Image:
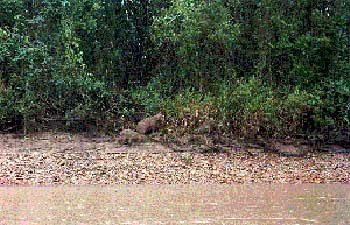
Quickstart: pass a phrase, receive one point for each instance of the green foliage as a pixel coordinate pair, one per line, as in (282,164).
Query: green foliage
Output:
(149,97)
(273,68)
(203,35)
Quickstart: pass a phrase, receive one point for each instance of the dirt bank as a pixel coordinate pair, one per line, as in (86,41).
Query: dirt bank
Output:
(75,160)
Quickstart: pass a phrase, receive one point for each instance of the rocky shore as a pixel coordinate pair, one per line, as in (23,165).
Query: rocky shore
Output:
(170,168)
(66,159)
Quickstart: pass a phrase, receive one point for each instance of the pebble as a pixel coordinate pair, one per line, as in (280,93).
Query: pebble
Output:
(169,168)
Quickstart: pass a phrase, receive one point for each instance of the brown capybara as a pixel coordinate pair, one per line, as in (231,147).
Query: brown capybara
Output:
(151,124)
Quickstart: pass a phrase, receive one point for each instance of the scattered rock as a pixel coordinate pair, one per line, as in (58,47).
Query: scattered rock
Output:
(170,168)
(151,124)
(129,137)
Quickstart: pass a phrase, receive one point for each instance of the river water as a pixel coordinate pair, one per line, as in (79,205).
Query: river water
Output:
(176,204)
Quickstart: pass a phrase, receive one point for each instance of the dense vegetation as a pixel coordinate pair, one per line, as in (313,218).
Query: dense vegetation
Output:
(256,67)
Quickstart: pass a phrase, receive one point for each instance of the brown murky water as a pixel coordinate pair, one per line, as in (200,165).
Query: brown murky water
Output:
(177,204)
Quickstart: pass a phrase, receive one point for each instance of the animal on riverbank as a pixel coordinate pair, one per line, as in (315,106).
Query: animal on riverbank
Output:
(150,124)
(130,137)
(143,128)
